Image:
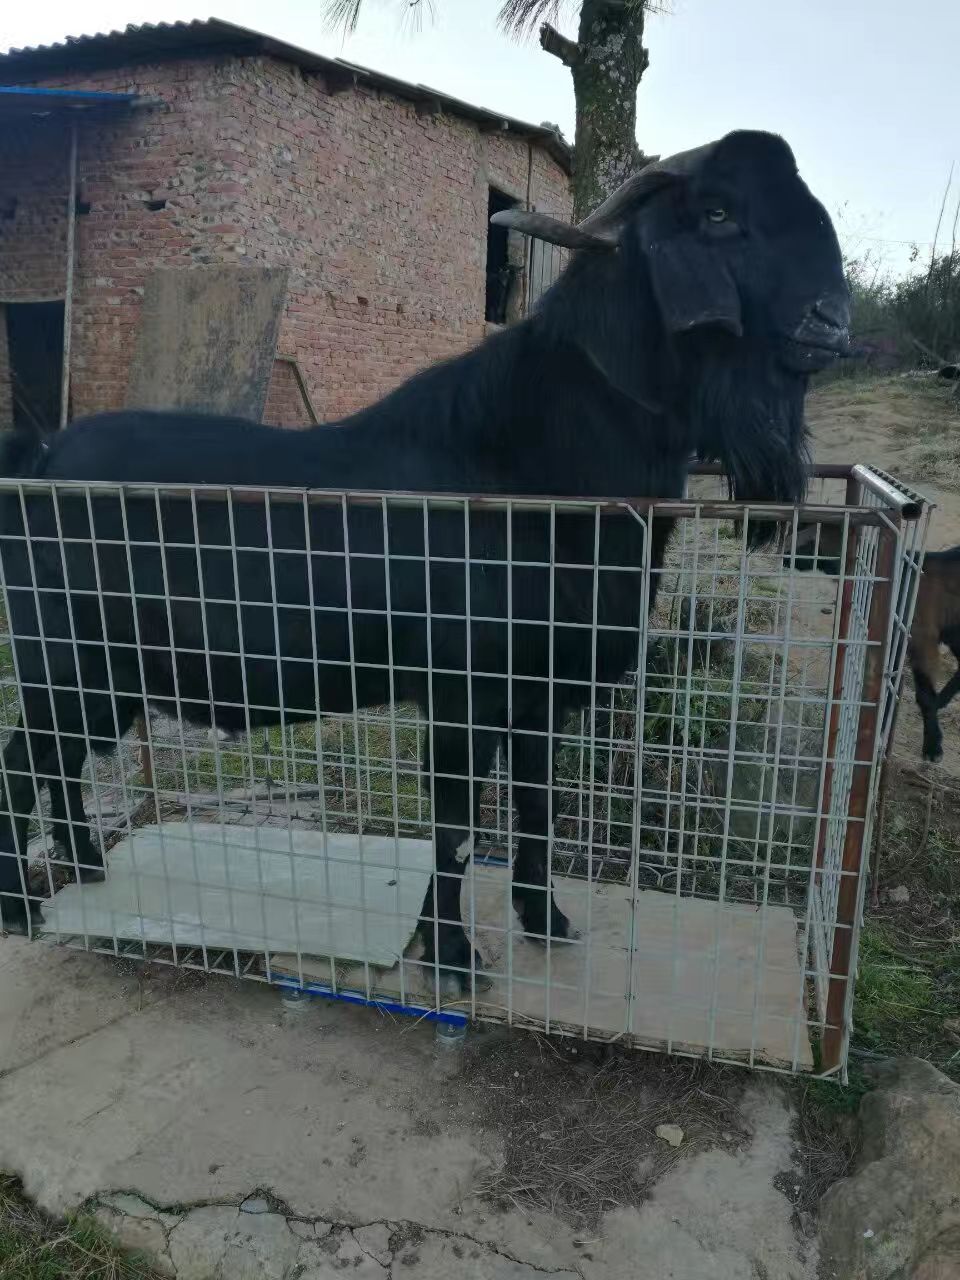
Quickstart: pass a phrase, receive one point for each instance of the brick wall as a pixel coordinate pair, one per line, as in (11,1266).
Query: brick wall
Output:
(33,224)
(33,208)
(380,213)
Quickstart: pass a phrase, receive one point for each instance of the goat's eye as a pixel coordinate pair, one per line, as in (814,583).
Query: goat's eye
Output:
(716,215)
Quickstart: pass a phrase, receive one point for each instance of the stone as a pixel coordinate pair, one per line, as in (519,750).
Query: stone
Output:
(900,894)
(375,1240)
(255,1204)
(898,1215)
(130,1205)
(671,1133)
(304,1230)
(219,1240)
(144,1235)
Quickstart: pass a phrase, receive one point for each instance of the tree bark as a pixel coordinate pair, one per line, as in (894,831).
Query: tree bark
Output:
(607,61)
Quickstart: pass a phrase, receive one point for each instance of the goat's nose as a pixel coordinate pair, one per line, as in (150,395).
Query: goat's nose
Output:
(833,310)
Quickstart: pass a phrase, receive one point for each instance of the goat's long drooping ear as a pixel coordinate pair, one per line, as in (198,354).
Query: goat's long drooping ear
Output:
(693,285)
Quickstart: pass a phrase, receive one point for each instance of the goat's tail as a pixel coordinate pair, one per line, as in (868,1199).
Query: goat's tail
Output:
(22,451)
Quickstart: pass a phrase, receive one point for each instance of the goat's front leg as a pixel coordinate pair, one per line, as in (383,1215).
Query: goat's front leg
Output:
(455,794)
(530,767)
(18,799)
(71,830)
(923,659)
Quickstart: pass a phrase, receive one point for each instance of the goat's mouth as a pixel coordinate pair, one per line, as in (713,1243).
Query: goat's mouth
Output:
(815,344)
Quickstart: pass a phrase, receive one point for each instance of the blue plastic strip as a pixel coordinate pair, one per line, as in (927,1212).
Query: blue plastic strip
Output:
(66,95)
(388,1006)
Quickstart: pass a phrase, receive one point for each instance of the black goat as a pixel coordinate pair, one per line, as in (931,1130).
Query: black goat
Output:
(936,620)
(707,289)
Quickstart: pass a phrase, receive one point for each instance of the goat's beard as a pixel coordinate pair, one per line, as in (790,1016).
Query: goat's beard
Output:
(747,415)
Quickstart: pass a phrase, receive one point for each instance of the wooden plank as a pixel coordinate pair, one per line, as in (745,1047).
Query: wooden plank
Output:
(208,338)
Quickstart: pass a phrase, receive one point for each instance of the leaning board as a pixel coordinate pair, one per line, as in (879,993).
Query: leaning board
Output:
(253,889)
(703,976)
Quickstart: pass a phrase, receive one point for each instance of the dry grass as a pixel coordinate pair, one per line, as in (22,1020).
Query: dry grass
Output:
(577,1120)
(35,1247)
(827,1142)
(908,987)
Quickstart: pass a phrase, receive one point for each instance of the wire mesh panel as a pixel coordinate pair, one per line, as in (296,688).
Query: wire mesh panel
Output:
(601,768)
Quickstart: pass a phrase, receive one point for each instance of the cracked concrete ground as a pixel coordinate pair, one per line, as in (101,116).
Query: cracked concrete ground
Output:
(232,1140)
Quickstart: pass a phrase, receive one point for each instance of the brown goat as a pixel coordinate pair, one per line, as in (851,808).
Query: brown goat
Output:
(936,620)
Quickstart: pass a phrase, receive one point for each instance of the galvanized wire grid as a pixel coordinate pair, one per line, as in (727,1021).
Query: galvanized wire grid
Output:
(733,766)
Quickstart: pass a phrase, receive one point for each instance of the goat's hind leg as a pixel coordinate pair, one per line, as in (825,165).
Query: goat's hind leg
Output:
(533,895)
(952,687)
(446,947)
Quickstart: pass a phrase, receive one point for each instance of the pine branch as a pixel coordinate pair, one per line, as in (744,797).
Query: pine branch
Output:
(342,15)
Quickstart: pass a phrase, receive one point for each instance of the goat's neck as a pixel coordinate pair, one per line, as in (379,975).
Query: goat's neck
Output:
(527,411)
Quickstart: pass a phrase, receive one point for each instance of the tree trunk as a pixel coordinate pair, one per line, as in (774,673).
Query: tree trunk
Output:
(607,61)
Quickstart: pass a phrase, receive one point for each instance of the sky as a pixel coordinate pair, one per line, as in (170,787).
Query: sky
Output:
(867,92)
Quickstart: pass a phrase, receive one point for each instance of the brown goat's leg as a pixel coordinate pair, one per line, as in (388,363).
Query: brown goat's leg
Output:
(924,652)
(949,691)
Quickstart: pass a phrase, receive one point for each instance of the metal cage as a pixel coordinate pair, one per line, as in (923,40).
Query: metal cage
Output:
(710,810)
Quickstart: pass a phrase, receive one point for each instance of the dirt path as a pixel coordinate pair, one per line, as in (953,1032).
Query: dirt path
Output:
(911,428)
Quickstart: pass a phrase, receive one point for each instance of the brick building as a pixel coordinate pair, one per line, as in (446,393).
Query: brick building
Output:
(207,145)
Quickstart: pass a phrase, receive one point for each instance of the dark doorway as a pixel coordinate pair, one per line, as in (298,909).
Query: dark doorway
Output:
(500,271)
(35,350)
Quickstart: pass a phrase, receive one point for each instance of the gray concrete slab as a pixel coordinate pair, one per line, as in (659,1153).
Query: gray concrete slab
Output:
(234,1139)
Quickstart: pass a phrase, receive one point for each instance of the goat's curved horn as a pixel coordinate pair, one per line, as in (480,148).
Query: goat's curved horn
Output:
(544,227)
(659,173)
(599,229)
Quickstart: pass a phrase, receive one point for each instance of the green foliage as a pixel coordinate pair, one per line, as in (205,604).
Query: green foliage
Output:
(926,306)
(891,317)
(901,1001)
(34,1247)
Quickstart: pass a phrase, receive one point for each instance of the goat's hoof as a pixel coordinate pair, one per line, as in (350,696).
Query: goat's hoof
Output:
(933,754)
(455,988)
(18,919)
(453,980)
(536,926)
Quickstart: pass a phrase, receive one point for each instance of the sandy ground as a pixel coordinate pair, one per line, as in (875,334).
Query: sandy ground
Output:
(910,428)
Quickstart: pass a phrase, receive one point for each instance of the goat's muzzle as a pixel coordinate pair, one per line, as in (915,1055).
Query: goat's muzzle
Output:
(821,337)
